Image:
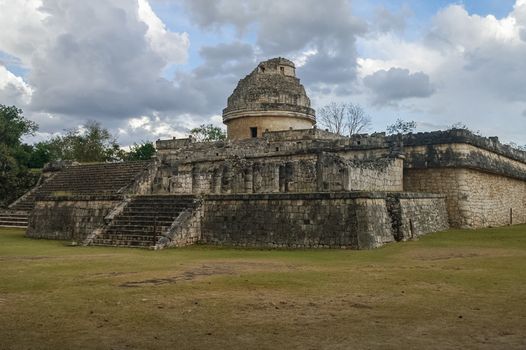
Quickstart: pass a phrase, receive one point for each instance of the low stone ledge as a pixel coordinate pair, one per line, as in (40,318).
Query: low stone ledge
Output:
(77,197)
(320,195)
(463,136)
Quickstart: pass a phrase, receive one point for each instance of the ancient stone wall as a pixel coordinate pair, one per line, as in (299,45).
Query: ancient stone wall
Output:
(240,128)
(323,172)
(288,161)
(296,221)
(474,198)
(456,155)
(461,136)
(69,218)
(327,220)
(414,215)
(281,143)
(143,181)
(484,180)
(185,230)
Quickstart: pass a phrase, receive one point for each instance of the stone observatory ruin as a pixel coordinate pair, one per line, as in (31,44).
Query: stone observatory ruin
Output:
(278,181)
(270,98)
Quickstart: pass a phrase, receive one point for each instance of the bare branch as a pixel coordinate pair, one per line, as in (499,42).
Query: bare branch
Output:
(344,118)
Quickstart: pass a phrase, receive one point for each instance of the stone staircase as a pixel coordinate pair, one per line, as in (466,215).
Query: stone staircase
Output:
(83,179)
(13,219)
(89,179)
(143,221)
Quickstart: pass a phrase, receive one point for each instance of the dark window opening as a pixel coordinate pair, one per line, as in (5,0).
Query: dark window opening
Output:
(277,149)
(254,132)
(282,69)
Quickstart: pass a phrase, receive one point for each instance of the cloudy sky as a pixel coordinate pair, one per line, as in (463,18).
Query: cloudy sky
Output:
(150,69)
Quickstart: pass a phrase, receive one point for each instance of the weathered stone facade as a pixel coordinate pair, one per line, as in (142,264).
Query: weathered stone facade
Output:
(270,98)
(474,198)
(478,185)
(484,181)
(278,162)
(358,220)
(300,188)
(69,218)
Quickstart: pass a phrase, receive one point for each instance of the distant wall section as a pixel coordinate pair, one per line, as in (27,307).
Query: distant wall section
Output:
(240,128)
(474,198)
(320,220)
(69,218)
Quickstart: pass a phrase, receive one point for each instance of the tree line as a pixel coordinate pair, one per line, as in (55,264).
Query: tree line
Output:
(19,161)
(348,119)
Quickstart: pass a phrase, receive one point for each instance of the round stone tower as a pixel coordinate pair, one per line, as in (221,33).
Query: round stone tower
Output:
(270,98)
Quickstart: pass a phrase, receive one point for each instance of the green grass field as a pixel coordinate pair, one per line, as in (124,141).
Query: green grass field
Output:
(450,290)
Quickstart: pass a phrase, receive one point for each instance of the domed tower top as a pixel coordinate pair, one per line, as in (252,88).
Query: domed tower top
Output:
(269,98)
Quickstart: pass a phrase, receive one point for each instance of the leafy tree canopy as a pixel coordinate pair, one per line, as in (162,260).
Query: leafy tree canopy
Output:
(15,179)
(89,143)
(401,127)
(142,151)
(207,133)
(13,126)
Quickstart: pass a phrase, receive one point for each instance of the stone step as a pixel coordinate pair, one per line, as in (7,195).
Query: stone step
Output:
(140,223)
(162,199)
(142,238)
(143,220)
(13,224)
(13,216)
(138,228)
(121,243)
(159,206)
(13,219)
(127,232)
(165,207)
(140,216)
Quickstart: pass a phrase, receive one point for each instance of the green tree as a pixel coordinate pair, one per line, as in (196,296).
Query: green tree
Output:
(401,127)
(15,178)
(40,155)
(142,151)
(90,143)
(13,126)
(207,133)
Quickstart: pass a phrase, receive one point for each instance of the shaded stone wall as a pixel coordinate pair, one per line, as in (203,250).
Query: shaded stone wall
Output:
(239,128)
(474,198)
(320,220)
(464,156)
(69,218)
(421,215)
(281,143)
(185,230)
(323,172)
(296,221)
(484,180)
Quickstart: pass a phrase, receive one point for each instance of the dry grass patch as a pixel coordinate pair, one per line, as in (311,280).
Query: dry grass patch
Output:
(457,289)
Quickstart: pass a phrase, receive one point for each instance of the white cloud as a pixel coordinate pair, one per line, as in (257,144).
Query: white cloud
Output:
(23,28)
(476,63)
(13,90)
(171,46)
(104,60)
(94,59)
